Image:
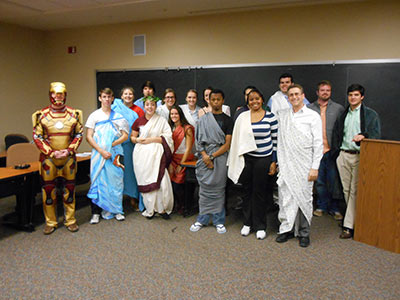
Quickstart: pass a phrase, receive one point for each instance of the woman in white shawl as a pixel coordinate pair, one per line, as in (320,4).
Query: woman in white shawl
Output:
(191,110)
(151,157)
(169,101)
(252,161)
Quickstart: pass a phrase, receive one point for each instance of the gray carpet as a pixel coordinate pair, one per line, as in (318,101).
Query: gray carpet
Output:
(162,259)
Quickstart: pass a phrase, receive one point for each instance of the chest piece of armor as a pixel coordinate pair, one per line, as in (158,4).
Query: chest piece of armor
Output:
(59,125)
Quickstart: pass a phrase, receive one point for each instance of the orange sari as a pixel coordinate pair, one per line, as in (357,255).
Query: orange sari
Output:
(178,136)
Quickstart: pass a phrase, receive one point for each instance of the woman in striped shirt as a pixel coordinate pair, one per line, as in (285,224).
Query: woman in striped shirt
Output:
(254,140)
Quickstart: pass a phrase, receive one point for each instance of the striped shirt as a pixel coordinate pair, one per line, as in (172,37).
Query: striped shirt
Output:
(266,135)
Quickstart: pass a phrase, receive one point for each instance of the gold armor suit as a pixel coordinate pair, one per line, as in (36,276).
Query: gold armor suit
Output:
(58,128)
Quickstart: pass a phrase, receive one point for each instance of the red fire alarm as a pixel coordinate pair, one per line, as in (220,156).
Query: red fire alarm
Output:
(72,49)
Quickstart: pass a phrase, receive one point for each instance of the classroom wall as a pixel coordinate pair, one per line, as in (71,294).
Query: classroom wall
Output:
(345,31)
(22,82)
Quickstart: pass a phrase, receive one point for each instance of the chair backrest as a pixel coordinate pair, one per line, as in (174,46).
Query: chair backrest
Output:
(22,153)
(15,138)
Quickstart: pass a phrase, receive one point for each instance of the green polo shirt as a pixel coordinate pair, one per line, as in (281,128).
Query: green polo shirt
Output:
(352,127)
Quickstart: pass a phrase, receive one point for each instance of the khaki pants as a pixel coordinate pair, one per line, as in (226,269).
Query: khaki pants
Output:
(348,170)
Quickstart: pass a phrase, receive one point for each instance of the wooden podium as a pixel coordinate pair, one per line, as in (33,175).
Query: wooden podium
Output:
(378,195)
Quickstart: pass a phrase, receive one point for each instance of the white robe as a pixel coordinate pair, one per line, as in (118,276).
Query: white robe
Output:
(295,157)
(146,161)
(242,142)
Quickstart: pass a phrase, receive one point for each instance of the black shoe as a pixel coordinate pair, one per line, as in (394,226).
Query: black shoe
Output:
(165,216)
(304,241)
(346,234)
(284,237)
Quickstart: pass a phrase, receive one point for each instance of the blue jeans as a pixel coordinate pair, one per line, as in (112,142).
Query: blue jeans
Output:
(325,184)
(218,218)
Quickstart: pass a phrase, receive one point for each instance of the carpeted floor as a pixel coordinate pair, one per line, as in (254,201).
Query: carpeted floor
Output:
(162,259)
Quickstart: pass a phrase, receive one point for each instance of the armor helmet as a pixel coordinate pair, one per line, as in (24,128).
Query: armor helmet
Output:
(58,87)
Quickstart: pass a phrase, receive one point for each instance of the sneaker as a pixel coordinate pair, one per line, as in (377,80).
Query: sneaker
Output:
(95,219)
(318,212)
(338,216)
(196,227)
(261,234)
(245,230)
(220,228)
(119,217)
(106,215)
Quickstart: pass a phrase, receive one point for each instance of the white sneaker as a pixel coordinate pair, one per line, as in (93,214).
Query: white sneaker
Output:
(221,228)
(261,234)
(106,215)
(119,217)
(95,219)
(245,230)
(196,227)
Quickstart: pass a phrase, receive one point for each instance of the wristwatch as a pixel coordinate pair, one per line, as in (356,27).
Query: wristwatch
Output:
(212,157)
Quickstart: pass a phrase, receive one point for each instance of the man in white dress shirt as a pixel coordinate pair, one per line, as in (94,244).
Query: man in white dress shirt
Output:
(300,150)
(280,100)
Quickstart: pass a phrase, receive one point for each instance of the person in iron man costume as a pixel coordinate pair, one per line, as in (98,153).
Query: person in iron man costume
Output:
(57,132)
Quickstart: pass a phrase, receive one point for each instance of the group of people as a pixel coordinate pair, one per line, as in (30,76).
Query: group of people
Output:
(140,149)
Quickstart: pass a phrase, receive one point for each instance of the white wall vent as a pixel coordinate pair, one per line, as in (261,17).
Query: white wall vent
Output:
(139,44)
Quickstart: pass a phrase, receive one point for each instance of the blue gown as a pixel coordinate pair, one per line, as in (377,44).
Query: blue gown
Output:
(106,178)
(130,183)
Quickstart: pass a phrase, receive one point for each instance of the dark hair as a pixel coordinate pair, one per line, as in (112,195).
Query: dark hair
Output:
(286,75)
(356,87)
(106,91)
(255,90)
(217,91)
(207,88)
(127,88)
(248,87)
(149,84)
(323,82)
(296,85)
(182,117)
(169,90)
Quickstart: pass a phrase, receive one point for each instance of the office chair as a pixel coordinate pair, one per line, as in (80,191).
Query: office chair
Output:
(22,153)
(15,138)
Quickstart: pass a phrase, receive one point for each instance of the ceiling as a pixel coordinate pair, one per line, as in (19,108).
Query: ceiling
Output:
(60,14)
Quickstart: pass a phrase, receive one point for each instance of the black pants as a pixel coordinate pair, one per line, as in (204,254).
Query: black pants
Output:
(96,210)
(179,196)
(257,186)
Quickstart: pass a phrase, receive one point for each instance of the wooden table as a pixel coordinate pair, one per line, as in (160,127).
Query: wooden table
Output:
(25,183)
(20,183)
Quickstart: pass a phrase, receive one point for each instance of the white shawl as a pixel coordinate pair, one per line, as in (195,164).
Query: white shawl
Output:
(188,115)
(242,142)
